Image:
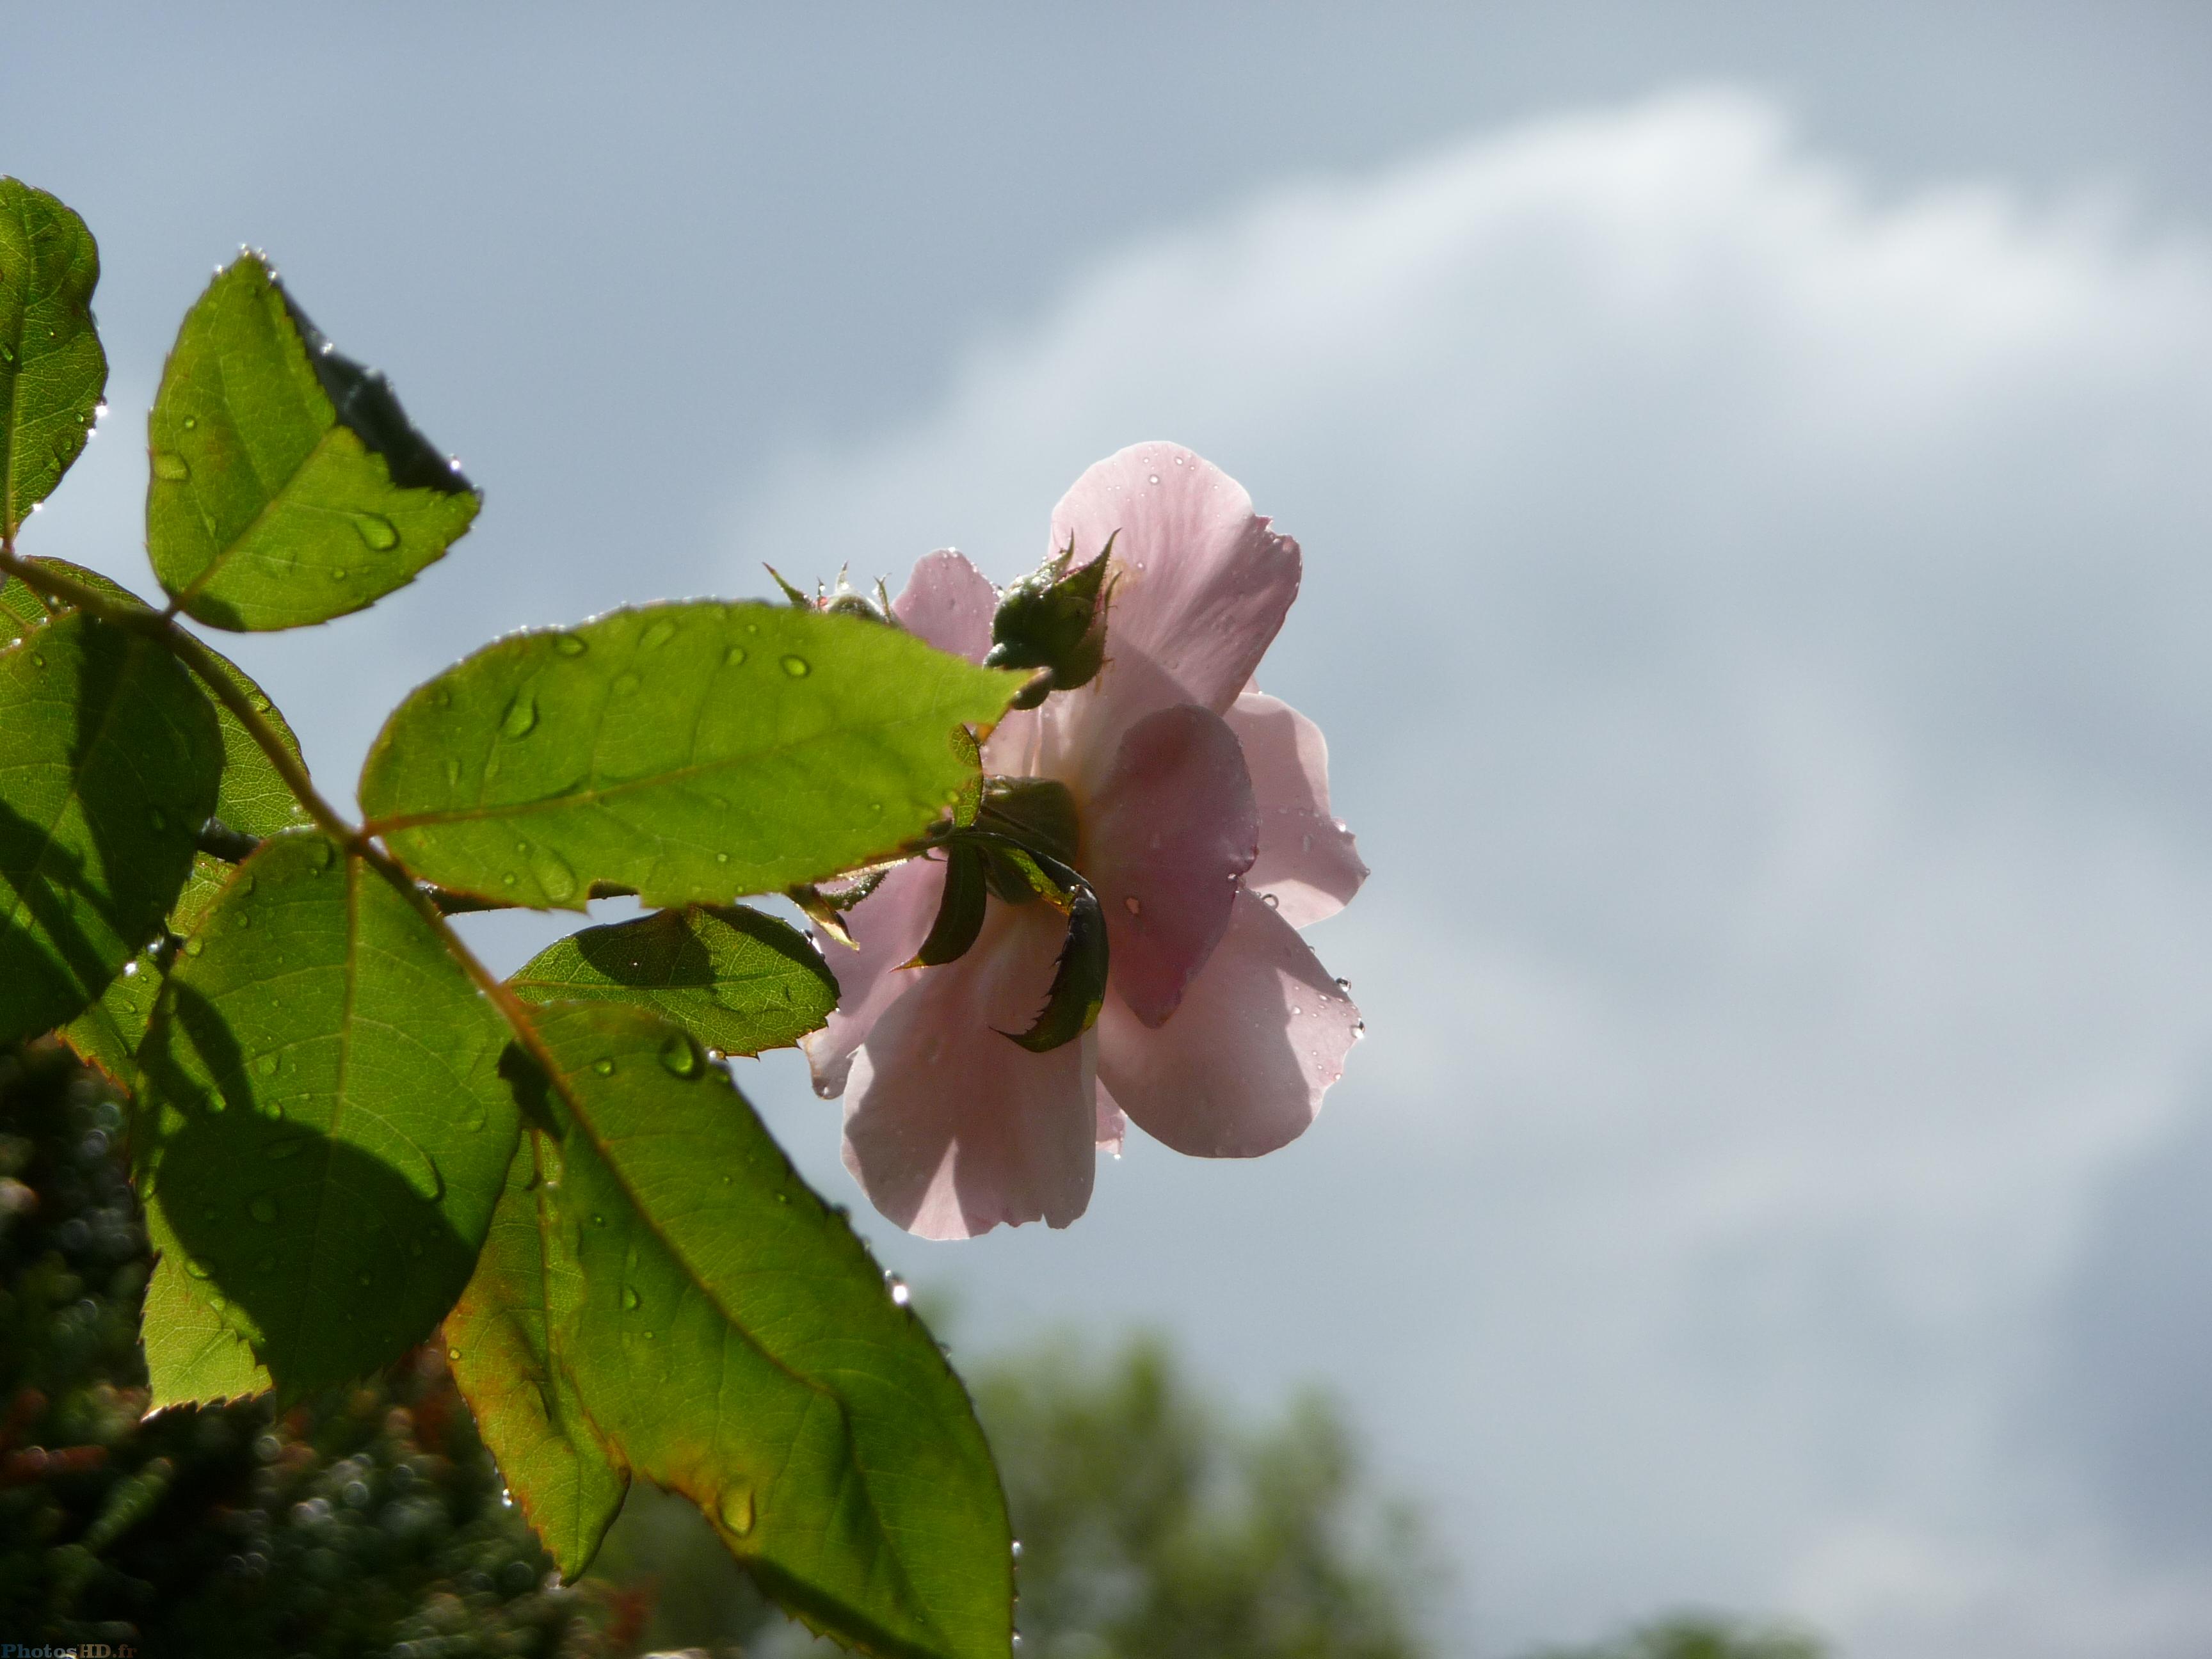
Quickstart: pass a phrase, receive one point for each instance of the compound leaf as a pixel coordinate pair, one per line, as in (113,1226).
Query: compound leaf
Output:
(52,367)
(109,764)
(737,980)
(688,752)
(288,486)
(733,1340)
(329,1131)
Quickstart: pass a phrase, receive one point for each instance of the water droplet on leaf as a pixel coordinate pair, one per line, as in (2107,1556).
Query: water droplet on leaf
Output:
(798,667)
(521,717)
(193,947)
(267,1065)
(1271,900)
(630,1298)
(680,1054)
(554,878)
(734,656)
(658,635)
(604,1066)
(737,1511)
(170,467)
(377,532)
(568,645)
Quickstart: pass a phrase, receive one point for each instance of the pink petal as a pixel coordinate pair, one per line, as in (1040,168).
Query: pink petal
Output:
(1113,1124)
(1172,828)
(1241,1069)
(889,925)
(1202,585)
(1308,860)
(951,1129)
(949,603)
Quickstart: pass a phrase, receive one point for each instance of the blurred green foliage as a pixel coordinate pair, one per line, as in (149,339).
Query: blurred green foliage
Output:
(368,1521)
(1698,1636)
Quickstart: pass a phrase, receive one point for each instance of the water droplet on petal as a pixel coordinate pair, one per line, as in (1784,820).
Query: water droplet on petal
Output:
(263,1209)
(170,467)
(798,667)
(1344,985)
(1153,478)
(1132,905)
(1271,900)
(568,645)
(378,532)
(521,717)
(1296,1011)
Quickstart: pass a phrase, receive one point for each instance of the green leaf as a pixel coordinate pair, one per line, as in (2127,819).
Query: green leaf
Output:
(288,486)
(254,798)
(52,367)
(737,980)
(109,761)
(191,1354)
(106,1035)
(687,752)
(733,1340)
(499,1346)
(330,1130)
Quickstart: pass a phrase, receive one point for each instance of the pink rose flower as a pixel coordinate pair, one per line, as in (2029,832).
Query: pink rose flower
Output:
(1206,832)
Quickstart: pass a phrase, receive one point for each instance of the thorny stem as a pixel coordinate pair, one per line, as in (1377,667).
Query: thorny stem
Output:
(162,628)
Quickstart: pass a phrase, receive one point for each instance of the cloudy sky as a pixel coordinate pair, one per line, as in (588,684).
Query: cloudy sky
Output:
(1751,476)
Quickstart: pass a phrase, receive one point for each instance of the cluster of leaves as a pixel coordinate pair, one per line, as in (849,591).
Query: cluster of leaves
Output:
(346,1130)
(365,1521)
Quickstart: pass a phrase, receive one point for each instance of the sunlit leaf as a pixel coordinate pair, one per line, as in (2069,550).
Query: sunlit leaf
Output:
(735,978)
(288,487)
(52,367)
(253,798)
(499,1343)
(733,1340)
(688,752)
(109,761)
(331,1130)
(106,1035)
(192,1353)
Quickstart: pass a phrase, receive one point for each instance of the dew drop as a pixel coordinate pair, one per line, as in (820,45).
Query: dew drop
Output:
(130,969)
(798,667)
(658,635)
(568,645)
(1344,985)
(193,947)
(1017,1549)
(721,857)
(783,1198)
(1296,1011)
(1154,478)
(598,1221)
(1133,906)
(734,657)
(604,1066)
(737,1511)
(509,880)
(170,467)
(267,1065)
(680,1054)
(377,531)
(338,574)
(1271,900)
(453,1353)
(7,352)
(521,717)
(37,659)
(630,1298)
(554,878)
(218,1303)
(263,1209)
(244,920)
(900,1294)
(190,422)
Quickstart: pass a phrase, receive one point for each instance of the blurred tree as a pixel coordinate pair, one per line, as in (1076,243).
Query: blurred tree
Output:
(368,1521)
(1698,1636)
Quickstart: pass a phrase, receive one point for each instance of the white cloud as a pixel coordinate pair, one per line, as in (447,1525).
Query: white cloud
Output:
(1764,632)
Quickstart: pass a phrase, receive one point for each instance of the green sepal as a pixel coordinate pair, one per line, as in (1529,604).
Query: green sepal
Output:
(52,369)
(960,912)
(1053,619)
(1038,812)
(1079,977)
